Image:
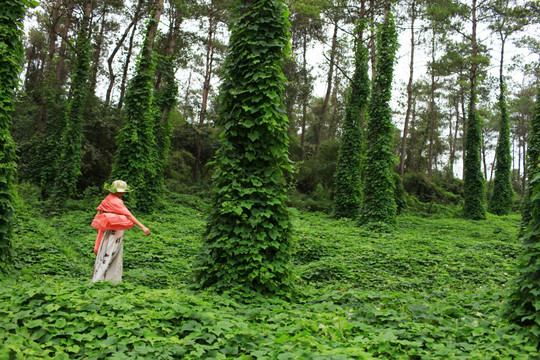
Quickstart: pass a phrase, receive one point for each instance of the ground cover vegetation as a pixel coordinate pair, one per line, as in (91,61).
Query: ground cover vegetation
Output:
(432,290)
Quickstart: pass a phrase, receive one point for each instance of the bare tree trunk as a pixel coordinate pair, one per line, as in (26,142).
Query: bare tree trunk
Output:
(409,94)
(119,44)
(453,144)
(206,88)
(97,53)
(304,95)
(329,82)
(186,98)
(432,107)
(64,34)
(126,68)
(484,161)
(464,117)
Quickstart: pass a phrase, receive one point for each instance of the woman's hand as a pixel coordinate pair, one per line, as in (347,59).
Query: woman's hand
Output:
(146,230)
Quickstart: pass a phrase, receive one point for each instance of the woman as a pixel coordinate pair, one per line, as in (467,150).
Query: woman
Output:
(112,218)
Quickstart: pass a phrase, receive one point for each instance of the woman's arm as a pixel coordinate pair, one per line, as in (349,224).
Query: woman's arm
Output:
(138,223)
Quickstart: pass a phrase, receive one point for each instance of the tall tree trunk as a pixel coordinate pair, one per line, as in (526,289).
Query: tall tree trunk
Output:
(60,70)
(409,94)
(119,44)
(97,53)
(305,94)
(126,68)
(432,107)
(329,83)
(453,139)
(372,41)
(206,88)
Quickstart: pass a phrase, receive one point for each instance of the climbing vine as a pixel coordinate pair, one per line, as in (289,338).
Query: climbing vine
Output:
(136,153)
(11,55)
(247,241)
(474,184)
(533,156)
(378,204)
(348,184)
(69,168)
(501,201)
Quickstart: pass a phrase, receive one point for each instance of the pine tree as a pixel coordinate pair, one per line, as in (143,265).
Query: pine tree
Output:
(11,55)
(247,240)
(378,188)
(348,184)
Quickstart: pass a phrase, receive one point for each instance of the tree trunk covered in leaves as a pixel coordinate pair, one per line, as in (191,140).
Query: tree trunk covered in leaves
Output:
(247,240)
(502,199)
(69,168)
(11,56)
(136,158)
(348,183)
(378,189)
(474,184)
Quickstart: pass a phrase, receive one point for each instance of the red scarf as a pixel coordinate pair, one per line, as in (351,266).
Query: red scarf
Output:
(112,215)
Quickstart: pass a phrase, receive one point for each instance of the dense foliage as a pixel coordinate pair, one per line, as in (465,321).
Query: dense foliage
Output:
(524,301)
(533,158)
(378,184)
(433,289)
(503,194)
(474,183)
(136,159)
(247,241)
(11,55)
(348,183)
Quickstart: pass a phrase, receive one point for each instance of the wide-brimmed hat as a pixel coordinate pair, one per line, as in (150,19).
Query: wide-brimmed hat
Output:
(119,186)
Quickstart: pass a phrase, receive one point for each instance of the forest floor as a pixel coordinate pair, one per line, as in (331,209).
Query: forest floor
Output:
(433,288)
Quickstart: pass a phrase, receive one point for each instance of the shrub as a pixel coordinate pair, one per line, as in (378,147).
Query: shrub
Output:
(426,191)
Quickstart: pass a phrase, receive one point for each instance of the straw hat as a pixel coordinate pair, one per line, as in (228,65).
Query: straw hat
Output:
(119,186)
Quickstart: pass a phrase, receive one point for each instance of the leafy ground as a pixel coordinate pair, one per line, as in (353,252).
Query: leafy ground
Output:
(432,289)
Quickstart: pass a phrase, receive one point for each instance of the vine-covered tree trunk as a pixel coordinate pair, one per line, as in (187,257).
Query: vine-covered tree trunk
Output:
(247,241)
(522,305)
(70,161)
(533,157)
(136,157)
(11,55)
(378,188)
(348,185)
(474,184)
(501,201)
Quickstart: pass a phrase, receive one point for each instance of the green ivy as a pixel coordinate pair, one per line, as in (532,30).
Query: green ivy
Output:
(11,56)
(69,168)
(348,186)
(135,160)
(247,241)
(474,184)
(503,194)
(533,156)
(379,205)
(524,301)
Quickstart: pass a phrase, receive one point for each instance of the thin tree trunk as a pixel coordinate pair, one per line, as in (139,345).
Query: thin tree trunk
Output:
(329,82)
(61,52)
(305,94)
(126,68)
(484,161)
(119,44)
(409,94)
(464,117)
(432,107)
(454,140)
(97,53)
(186,98)
(206,89)
(372,41)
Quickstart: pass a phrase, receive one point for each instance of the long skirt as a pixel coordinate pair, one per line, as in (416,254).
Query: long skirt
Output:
(108,265)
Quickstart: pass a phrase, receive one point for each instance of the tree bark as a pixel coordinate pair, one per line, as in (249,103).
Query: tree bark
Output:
(432,107)
(60,70)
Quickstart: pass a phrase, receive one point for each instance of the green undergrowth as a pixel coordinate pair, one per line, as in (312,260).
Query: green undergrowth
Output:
(431,289)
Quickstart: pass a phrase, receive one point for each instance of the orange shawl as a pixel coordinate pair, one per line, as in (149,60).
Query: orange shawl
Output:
(112,215)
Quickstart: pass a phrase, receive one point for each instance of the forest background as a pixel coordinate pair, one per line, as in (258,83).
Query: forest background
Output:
(194,35)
